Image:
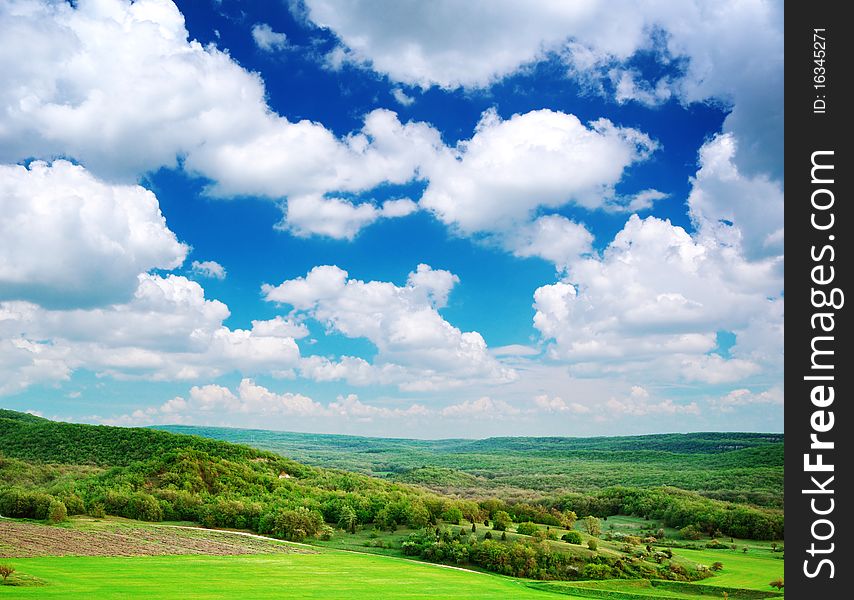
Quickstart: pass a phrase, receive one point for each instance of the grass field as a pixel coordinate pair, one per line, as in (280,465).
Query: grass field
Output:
(325,575)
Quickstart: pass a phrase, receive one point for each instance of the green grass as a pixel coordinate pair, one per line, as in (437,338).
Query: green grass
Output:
(325,575)
(752,570)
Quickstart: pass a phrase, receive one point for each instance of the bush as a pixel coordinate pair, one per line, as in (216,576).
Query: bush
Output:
(57,512)
(572,537)
(527,528)
(453,515)
(501,521)
(717,566)
(691,532)
(5,571)
(592,545)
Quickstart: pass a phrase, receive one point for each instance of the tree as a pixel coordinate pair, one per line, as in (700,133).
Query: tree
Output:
(568,519)
(57,512)
(691,532)
(347,518)
(501,521)
(503,536)
(453,515)
(473,527)
(717,566)
(592,525)
(487,535)
(592,545)
(5,571)
(777,583)
(773,546)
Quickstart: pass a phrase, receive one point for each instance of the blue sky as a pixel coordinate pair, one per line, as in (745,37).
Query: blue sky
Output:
(415,219)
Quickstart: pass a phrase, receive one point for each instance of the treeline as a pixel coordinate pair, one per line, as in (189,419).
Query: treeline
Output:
(533,559)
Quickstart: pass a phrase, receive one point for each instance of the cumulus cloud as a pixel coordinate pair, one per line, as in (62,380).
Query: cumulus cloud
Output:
(733,208)
(216,404)
(267,39)
(745,397)
(554,238)
(482,408)
(727,51)
(556,404)
(208,268)
(102,77)
(657,296)
(68,239)
(167,331)
(403,323)
(638,404)
(541,159)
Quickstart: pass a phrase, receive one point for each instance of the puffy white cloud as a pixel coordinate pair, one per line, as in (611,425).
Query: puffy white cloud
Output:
(656,298)
(484,408)
(734,208)
(105,76)
(638,404)
(280,327)
(267,39)
(541,159)
(208,268)
(553,237)
(68,239)
(403,322)
(556,404)
(744,397)
(730,51)
(336,217)
(220,405)
(167,331)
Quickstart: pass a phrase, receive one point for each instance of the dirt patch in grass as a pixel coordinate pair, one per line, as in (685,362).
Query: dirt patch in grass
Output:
(22,540)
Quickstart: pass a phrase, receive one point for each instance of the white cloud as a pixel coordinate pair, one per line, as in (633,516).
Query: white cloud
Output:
(556,404)
(402,98)
(220,405)
(514,350)
(209,268)
(541,159)
(102,77)
(402,322)
(280,327)
(267,39)
(744,397)
(167,331)
(68,239)
(730,51)
(482,408)
(733,208)
(638,404)
(653,302)
(553,237)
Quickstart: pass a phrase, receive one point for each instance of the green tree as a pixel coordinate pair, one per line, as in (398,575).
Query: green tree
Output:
(453,515)
(57,511)
(527,528)
(501,521)
(592,544)
(572,537)
(347,518)
(592,525)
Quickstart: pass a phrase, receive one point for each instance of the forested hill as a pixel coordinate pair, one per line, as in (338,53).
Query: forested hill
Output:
(739,467)
(33,438)
(48,467)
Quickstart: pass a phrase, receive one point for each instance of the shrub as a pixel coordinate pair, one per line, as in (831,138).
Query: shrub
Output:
(501,521)
(453,515)
(691,532)
(593,545)
(57,512)
(717,566)
(5,571)
(572,537)
(527,528)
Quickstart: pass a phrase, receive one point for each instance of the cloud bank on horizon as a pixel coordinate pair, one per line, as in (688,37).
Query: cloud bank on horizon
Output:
(448,219)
